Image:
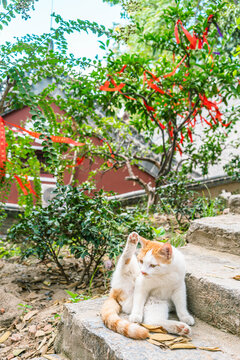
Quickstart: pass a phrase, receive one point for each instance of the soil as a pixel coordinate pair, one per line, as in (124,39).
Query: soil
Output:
(32,295)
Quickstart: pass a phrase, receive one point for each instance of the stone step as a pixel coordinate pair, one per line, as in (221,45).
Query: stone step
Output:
(221,233)
(50,356)
(82,336)
(213,294)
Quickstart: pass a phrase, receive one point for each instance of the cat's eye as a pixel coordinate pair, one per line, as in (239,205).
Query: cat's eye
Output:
(153,266)
(141,261)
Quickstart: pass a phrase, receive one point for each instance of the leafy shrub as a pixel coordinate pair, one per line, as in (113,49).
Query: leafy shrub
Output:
(85,221)
(233,168)
(177,199)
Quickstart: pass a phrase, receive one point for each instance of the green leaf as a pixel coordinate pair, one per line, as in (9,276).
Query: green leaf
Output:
(4,2)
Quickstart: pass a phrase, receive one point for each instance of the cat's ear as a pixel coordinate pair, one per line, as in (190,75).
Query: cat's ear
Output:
(166,251)
(143,241)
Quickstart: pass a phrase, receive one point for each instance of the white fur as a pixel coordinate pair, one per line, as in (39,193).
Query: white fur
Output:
(148,298)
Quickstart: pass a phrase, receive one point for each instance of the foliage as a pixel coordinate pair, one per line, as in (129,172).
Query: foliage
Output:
(8,250)
(3,214)
(84,220)
(233,168)
(75,298)
(177,198)
(37,74)
(168,119)
(171,90)
(15,7)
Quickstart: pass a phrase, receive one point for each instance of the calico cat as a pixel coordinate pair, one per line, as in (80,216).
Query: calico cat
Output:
(146,286)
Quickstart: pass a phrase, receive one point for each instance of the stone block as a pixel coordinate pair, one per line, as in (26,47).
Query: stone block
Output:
(82,336)
(220,233)
(213,294)
(234,204)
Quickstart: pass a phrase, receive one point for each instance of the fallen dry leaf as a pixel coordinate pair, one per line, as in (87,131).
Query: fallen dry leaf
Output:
(47,282)
(44,349)
(40,333)
(162,337)
(179,339)
(231,267)
(5,336)
(157,329)
(209,348)
(187,345)
(29,315)
(42,343)
(157,343)
(19,351)
(49,357)
(236,277)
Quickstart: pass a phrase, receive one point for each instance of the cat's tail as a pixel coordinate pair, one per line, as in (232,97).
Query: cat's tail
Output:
(110,316)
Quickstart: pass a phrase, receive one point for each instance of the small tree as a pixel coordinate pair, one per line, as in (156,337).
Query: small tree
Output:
(26,64)
(175,88)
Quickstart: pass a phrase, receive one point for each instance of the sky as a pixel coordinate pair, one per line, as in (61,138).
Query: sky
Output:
(79,44)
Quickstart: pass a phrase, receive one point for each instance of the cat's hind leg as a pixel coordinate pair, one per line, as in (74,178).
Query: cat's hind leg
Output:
(157,314)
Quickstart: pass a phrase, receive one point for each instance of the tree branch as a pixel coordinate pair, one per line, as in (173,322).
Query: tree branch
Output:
(5,94)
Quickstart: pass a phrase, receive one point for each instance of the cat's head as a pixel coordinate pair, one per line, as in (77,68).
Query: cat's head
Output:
(154,257)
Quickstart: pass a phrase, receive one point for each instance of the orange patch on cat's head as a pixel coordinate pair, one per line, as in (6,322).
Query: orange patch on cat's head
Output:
(161,251)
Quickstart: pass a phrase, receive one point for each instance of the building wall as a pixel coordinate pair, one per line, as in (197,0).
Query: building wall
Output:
(112,180)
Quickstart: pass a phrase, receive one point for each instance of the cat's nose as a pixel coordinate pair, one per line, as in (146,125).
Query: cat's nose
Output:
(144,273)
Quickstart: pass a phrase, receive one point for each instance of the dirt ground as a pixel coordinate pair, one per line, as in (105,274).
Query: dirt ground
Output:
(32,297)
(32,294)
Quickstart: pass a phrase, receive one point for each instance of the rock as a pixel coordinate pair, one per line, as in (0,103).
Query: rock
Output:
(234,204)
(82,336)
(225,195)
(213,294)
(9,303)
(226,211)
(220,232)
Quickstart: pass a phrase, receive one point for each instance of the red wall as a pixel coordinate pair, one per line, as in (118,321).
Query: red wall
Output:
(112,180)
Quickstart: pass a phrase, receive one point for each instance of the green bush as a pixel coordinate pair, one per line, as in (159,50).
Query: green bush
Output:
(81,219)
(177,199)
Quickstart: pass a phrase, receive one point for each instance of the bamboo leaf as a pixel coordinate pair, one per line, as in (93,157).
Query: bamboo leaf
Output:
(5,336)
(162,337)
(237,277)
(209,348)
(183,346)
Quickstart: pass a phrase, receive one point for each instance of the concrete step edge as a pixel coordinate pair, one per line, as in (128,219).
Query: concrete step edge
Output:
(221,233)
(82,336)
(213,294)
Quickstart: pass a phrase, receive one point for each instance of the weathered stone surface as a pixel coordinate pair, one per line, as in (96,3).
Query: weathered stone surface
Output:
(82,336)
(213,294)
(234,204)
(220,233)
(9,303)
(54,356)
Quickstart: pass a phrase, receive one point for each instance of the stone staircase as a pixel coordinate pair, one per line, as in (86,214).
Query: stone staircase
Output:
(213,260)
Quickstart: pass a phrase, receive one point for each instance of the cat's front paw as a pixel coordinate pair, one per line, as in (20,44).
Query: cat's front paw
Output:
(188,319)
(135,318)
(133,237)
